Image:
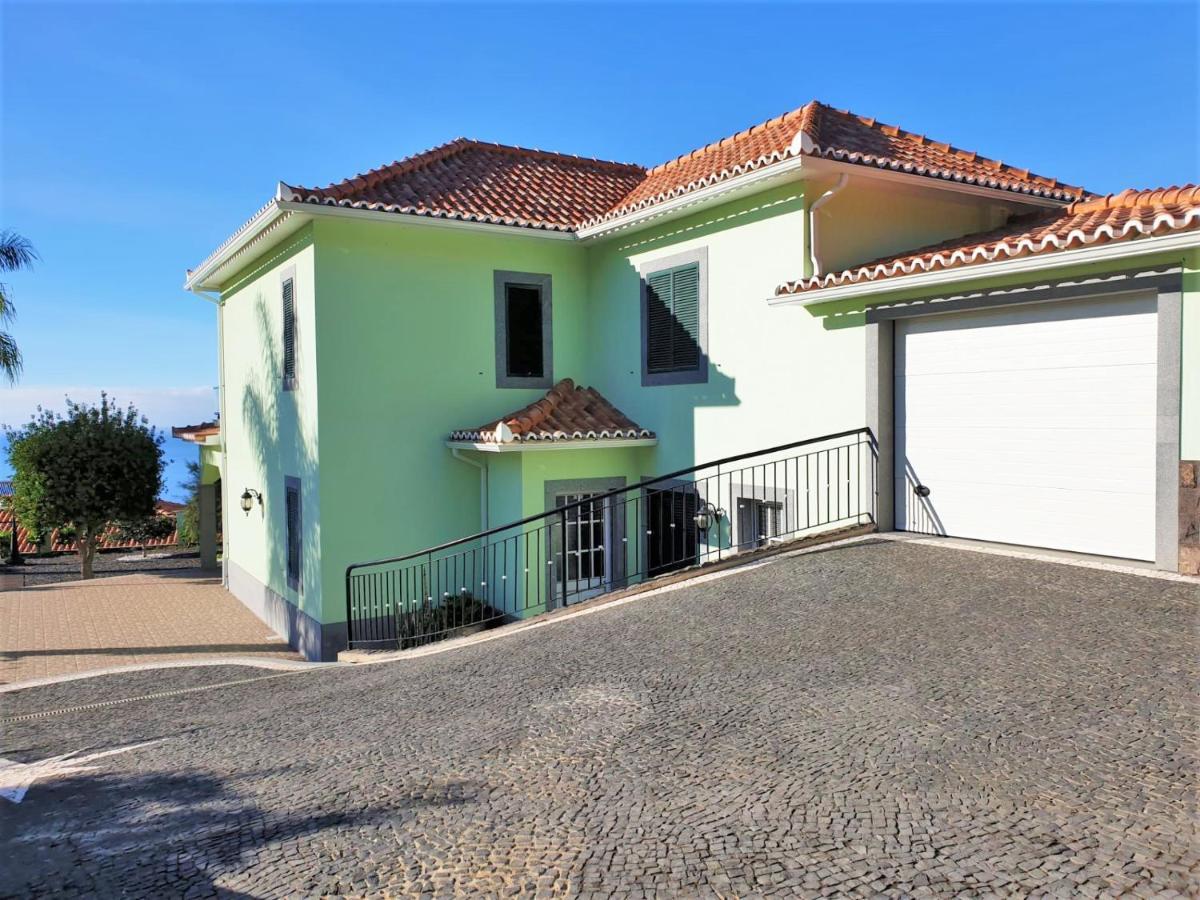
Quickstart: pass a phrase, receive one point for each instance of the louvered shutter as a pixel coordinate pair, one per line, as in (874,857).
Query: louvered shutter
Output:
(685,338)
(673,320)
(289,334)
(658,322)
(292,512)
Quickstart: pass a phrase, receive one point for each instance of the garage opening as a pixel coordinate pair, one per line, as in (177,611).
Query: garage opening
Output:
(1031,424)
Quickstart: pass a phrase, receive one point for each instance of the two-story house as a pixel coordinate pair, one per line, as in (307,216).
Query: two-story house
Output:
(477,333)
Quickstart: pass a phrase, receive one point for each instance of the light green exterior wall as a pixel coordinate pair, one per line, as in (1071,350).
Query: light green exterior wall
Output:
(210,464)
(401,335)
(406,355)
(776,375)
(270,434)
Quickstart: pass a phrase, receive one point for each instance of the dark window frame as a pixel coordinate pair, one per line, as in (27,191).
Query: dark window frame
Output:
(544,285)
(289,378)
(294,576)
(646,270)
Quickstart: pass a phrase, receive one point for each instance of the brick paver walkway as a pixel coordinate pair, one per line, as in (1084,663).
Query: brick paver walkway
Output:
(882,719)
(73,627)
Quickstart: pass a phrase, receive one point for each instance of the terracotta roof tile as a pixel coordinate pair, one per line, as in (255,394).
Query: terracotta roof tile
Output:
(196,433)
(497,184)
(566,413)
(819,130)
(1126,216)
(492,183)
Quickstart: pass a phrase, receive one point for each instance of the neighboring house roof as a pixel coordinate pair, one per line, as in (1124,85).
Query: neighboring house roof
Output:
(1127,216)
(566,413)
(197,433)
(504,185)
(168,506)
(482,182)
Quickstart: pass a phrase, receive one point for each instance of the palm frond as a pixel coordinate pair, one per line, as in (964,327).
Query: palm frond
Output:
(10,358)
(15,252)
(8,311)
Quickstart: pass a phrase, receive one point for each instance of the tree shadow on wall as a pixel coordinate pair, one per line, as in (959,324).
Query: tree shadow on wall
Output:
(281,429)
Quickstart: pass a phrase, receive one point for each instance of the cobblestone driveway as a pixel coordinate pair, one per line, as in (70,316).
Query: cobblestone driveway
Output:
(875,719)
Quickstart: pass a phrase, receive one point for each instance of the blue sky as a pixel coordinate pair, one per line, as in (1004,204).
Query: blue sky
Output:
(136,137)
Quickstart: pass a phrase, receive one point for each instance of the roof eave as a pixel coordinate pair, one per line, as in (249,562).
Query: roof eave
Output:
(564,444)
(686,203)
(1033,263)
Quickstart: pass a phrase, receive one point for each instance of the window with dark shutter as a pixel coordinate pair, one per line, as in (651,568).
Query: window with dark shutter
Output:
(673,320)
(289,335)
(523,317)
(294,530)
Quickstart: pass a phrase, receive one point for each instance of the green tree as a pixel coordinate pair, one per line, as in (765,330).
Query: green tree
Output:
(15,253)
(91,466)
(189,522)
(145,529)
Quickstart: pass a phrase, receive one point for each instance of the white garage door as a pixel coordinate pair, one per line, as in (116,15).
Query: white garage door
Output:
(1030,425)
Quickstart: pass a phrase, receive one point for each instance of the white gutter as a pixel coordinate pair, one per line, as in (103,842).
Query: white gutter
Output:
(483,485)
(302,212)
(1035,263)
(405,218)
(814,254)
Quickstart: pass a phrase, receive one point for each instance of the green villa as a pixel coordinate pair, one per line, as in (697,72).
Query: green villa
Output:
(479,334)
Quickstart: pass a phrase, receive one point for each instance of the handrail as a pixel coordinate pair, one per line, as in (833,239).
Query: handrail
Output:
(560,510)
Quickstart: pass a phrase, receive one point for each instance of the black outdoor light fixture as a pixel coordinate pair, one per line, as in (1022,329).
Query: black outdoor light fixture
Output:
(249,495)
(707,515)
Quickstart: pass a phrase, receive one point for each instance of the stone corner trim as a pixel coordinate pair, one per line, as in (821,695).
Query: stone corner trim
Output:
(1189,517)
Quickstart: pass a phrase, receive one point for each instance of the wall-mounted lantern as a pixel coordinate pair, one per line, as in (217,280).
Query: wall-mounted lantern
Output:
(249,495)
(707,516)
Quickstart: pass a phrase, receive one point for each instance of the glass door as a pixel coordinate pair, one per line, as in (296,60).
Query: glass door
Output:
(588,536)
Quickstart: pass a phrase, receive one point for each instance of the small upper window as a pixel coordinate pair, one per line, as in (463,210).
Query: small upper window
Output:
(523,330)
(523,340)
(289,334)
(673,323)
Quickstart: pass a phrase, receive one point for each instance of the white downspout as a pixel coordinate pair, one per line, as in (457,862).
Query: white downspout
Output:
(483,486)
(813,252)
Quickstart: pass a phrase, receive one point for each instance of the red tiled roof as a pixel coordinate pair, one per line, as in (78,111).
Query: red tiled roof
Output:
(497,184)
(481,182)
(1126,216)
(819,130)
(566,413)
(196,433)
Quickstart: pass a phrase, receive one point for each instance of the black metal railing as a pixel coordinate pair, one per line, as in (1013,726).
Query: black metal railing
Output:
(596,542)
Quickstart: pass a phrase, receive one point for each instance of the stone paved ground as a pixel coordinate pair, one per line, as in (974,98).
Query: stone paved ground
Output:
(73,627)
(878,719)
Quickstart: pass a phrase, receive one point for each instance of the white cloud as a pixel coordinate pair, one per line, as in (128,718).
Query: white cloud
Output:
(164,407)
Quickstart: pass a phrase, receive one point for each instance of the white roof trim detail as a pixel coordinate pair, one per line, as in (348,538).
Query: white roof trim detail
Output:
(503,435)
(526,446)
(1007,266)
(989,253)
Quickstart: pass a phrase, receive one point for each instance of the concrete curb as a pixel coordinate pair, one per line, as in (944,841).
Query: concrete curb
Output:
(1063,559)
(278,665)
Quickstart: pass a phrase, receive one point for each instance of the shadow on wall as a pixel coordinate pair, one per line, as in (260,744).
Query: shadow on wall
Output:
(203,832)
(276,423)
